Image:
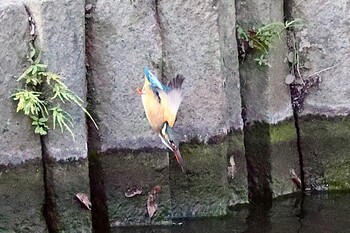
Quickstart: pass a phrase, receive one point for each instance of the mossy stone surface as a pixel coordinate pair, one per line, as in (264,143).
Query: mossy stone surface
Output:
(271,151)
(326,151)
(237,169)
(284,157)
(203,190)
(136,169)
(70,178)
(22,198)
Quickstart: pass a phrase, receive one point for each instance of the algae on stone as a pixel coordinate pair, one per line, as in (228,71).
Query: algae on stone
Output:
(22,198)
(326,149)
(136,169)
(203,190)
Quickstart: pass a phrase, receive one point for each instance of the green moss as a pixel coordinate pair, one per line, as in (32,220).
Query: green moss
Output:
(70,178)
(271,153)
(203,191)
(129,169)
(21,198)
(282,132)
(326,147)
(337,174)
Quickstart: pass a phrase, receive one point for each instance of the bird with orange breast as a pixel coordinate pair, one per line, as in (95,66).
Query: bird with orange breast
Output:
(161,103)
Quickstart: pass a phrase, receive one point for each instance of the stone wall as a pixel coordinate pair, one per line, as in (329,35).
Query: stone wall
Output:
(240,135)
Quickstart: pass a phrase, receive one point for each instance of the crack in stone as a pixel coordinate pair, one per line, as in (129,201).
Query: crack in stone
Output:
(49,207)
(296,97)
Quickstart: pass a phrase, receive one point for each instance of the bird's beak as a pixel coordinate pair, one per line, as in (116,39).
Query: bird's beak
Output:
(177,155)
(171,145)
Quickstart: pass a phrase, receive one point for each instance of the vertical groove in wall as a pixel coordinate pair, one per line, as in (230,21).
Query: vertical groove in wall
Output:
(50,206)
(98,198)
(287,11)
(159,24)
(257,140)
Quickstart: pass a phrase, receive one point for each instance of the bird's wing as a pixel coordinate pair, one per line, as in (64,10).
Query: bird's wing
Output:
(153,109)
(171,100)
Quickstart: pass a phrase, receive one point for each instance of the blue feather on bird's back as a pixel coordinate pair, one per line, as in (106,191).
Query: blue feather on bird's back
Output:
(153,79)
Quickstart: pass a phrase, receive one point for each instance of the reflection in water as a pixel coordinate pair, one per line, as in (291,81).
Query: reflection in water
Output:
(258,219)
(317,213)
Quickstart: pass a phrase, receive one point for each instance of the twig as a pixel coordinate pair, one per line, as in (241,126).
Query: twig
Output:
(323,70)
(297,65)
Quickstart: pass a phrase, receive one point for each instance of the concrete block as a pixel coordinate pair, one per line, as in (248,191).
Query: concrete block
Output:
(194,47)
(237,169)
(18,142)
(124,37)
(22,197)
(325,146)
(284,157)
(269,135)
(324,45)
(68,179)
(229,63)
(61,37)
(203,190)
(123,171)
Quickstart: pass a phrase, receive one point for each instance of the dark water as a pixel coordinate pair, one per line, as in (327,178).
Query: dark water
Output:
(317,213)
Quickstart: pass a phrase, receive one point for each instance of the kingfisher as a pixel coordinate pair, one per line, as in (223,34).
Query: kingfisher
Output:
(161,103)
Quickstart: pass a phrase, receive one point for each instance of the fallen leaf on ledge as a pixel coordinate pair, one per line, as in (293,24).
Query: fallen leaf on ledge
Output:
(131,192)
(157,189)
(152,205)
(84,199)
(295,178)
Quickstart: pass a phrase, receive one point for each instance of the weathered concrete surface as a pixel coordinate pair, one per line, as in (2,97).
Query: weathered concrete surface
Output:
(229,63)
(68,180)
(124,37)
(323,46)
(198,44)
(61,36)
(126,170)
(284,157)
(323,43)
(22,198)
(203,190)
(265,95)
(271,152)
(18,142)
(269,137)
(325,146)
(237,169)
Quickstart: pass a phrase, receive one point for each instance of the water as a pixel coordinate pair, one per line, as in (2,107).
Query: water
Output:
(317,213)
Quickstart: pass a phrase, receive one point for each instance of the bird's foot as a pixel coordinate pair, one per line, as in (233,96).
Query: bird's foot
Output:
(140,91)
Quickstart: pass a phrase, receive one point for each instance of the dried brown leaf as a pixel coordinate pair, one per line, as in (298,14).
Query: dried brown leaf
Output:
(157,189)
(295,178)
(84,199)
(131,192)
(152,205)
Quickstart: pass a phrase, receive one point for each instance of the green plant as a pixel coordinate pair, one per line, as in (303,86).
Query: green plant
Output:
(39,106)
(260,40)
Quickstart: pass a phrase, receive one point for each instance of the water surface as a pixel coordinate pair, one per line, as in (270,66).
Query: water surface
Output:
(316,213)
